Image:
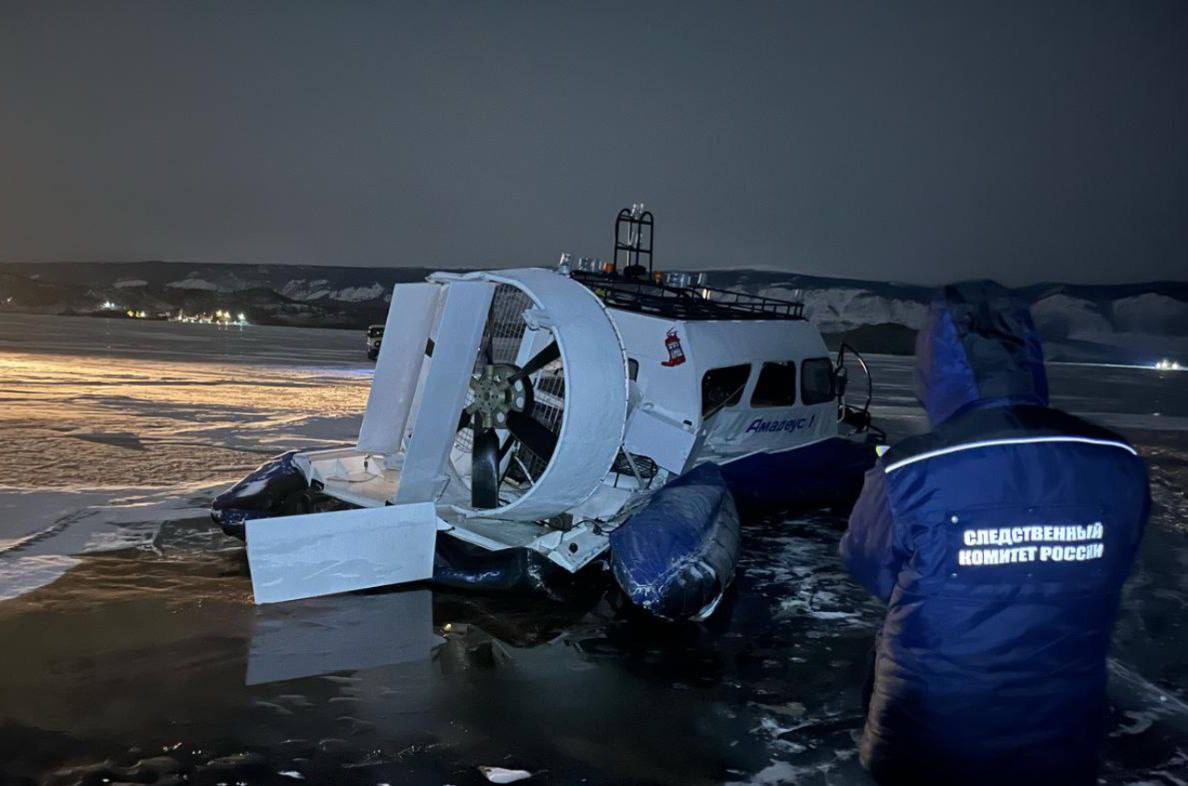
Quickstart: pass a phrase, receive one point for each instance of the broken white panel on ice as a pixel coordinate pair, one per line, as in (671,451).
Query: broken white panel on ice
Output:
(326,553)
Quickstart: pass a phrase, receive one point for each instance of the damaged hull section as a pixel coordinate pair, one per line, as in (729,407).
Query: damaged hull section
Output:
(266,492)
(675,557)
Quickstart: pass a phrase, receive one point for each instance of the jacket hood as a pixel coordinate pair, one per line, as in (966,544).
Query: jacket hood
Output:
(978,347)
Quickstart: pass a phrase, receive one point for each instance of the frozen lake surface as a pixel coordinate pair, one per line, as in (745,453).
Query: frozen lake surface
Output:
(132,650)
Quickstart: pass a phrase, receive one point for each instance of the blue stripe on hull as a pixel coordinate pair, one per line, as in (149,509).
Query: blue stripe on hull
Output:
(828,472)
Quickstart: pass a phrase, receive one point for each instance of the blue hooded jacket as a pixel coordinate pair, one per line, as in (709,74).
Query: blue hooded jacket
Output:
(1000,541)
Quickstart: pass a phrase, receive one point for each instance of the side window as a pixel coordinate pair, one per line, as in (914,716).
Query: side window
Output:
(723,387)
(776,386)
(816,381)
(632,369)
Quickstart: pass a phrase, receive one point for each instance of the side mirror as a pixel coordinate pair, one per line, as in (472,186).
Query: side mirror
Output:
(841,376)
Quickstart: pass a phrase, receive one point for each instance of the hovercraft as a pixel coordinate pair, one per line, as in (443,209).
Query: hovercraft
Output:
(527,426)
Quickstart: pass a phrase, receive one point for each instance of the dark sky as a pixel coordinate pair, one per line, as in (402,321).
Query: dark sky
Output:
(907,141)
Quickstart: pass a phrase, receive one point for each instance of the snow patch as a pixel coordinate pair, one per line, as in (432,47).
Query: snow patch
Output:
(306,290)
(358,294)
(500,775)
(1151,313)
(782,772)
(193,282)
(130,283)
(837,310)
(303,289)
(816,603)
(1060,316)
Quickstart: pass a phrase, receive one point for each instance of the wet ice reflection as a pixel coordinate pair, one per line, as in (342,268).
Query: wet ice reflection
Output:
(340,633)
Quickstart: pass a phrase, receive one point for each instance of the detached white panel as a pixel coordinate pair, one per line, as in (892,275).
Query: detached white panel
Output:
(661,439)
(402,352)
(455,348)
(325,553)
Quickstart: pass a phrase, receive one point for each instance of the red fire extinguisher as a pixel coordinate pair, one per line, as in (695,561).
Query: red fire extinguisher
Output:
(676,354)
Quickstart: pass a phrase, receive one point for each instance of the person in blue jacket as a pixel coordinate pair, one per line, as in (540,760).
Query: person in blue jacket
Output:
(999,541)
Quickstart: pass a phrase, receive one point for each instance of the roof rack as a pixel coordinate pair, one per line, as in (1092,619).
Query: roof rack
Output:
(673,295)
(685,302)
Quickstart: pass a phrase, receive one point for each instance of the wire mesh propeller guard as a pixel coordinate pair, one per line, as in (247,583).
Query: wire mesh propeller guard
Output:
(509,426)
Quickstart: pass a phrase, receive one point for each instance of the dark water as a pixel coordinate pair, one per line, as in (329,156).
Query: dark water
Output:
(152,664)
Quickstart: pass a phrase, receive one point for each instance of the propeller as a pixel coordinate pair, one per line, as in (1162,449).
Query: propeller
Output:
(504,400)
(531,432)
(539,361)
(484,467)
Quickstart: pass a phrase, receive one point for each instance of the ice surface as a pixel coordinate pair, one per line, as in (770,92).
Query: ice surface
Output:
(128,624)
(111,427)
(20,574)
(41,531)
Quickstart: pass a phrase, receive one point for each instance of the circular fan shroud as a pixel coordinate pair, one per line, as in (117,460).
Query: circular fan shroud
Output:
(593,393)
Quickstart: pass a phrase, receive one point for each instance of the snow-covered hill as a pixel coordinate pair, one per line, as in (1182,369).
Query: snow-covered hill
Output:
(267,294)
(1131,323)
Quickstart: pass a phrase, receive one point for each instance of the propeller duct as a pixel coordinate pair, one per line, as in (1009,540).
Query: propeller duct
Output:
(546,402)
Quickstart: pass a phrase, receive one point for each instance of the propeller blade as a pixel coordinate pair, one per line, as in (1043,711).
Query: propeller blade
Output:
(484,468)
(505,447)
(542,359)
(463,420)
(531,432)
(489,346)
